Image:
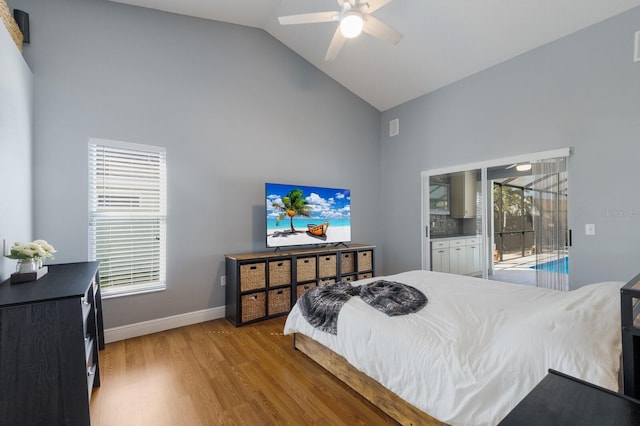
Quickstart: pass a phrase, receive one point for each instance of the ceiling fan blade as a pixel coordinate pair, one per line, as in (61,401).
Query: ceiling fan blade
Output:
(373,5)
(336,44)
(309,18)
(379,29)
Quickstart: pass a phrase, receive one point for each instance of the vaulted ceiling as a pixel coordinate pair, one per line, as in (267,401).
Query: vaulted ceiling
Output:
(444,40)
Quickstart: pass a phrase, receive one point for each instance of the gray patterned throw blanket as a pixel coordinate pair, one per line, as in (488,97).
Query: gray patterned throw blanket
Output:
(321,305)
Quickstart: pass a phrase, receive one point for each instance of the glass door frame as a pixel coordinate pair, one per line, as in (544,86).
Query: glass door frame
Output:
(486,196)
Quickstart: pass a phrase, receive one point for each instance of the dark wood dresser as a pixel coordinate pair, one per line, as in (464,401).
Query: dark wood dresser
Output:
(562,400)
(50,333)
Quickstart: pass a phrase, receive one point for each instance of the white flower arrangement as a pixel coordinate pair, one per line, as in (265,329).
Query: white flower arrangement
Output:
(38,249)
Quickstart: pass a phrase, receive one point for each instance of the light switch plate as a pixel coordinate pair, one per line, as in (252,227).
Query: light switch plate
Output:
(590,229)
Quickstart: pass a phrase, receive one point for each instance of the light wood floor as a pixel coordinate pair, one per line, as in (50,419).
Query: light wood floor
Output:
(216,374)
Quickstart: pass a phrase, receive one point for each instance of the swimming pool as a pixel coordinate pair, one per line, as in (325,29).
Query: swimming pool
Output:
(561,266)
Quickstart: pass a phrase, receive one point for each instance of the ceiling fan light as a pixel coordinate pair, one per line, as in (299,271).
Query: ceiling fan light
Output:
(351,25)
(523,167)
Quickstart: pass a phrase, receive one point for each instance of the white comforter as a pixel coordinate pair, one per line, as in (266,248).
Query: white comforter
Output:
(479,346)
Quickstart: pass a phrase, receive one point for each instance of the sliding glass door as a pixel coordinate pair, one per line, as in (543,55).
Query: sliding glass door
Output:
(519,222)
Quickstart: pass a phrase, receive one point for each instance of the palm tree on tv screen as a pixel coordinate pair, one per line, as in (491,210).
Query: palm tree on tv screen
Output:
(293,204)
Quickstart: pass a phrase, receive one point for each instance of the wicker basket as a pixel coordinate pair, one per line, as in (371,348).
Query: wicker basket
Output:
(252,276)
(306,269)
(327,281)
(279,272)
(327,266)
(252,306)
(363,276)
(348,278)
(364,260)
(303,288)
(347,263)
(279,301)
(10,23)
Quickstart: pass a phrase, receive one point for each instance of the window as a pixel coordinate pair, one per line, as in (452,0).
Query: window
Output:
(127,216)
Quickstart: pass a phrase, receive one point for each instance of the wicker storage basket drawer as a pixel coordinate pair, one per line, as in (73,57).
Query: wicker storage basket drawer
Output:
(252,276)
(327,281)
(347,263)
(364,260)
(348,278)
(303,288)
(280,272)
(252,306)
(306,269)
(279,300)
(327,265)
(363,276)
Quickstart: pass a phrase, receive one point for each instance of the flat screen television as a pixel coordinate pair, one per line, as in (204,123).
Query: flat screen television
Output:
(305,215)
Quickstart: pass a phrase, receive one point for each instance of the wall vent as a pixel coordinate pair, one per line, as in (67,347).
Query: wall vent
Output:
(636,49)
(394,127)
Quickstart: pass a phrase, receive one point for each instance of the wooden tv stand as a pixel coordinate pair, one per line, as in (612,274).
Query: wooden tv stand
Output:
(266,285)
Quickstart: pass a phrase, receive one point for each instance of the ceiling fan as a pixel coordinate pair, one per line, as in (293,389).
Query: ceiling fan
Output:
(354,18)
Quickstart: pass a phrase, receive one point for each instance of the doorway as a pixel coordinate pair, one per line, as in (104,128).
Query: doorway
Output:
(520,222)
(513,254)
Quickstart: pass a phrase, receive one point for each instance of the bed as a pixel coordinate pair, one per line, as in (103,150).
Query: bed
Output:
(474,351)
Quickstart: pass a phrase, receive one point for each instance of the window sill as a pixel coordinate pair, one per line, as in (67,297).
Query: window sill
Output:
(132,291)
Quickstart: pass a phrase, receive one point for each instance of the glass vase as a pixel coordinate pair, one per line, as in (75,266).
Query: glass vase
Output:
(26,265)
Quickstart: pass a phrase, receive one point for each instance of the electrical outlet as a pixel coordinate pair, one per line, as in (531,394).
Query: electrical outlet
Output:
(223,280)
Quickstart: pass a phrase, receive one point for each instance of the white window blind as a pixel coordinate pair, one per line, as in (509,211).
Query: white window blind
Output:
(127,216)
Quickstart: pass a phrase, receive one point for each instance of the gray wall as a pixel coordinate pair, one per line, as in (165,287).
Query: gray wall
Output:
(582,91)
(234,108)
(16,106)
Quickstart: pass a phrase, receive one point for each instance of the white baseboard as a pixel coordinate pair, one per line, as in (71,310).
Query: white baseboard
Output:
(148,327)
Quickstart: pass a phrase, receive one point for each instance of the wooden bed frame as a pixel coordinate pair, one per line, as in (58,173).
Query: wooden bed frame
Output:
(371,390)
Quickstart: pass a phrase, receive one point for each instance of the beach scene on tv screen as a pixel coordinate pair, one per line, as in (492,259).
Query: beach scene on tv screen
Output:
(300,215)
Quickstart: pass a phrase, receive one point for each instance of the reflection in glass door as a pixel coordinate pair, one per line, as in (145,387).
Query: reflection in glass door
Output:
(454,222)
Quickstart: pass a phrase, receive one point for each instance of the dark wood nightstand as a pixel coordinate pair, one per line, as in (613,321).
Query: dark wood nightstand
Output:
(564,400)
